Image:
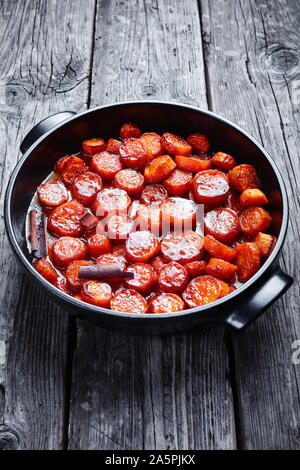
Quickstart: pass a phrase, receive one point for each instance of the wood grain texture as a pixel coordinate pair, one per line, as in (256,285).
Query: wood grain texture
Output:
(44,68)
(253,71)
(169,392)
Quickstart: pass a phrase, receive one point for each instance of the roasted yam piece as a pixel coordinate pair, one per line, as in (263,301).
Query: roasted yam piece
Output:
(199,142)
(173,277)
(65,219)
(61,164)
(223,161)
(67,249)
(92,146)
(96,293)
(244,177)
(218,249)
(151,141)
(154,194)
(196,268)
(223,224)
(182,247)
(193,163)
(134,154)
(98,244)
(52,193)
(129,130)
(141,246)
(129,301)
(265,243)
(247,259)
(130,180)
(86,187)
(204,289)
(159,169)
(149,218)
(253,197)
(166,303)
(72,273)
(144,277)
(178,182)
(175,145)
(118,227)
(73,167)
(254,220)
(106,165)
(221,269)
(45,268)
(211,187)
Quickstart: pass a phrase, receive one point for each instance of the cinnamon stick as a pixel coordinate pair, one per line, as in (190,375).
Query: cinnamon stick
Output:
(88,221)
(38,234)
(97,271)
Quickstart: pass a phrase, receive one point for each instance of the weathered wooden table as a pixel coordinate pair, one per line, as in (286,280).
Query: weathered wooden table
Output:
(65,384)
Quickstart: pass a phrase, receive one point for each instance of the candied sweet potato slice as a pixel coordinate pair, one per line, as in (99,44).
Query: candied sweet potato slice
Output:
(196,268)
(157,262)
(141,246)
(61,164)
(73,167)
(182,247)
(86,187)
(218,249)
(111,200)
(149,218)
(151,141)
(223,161)
(247,259)
(96,293)
(233,202)
(67,249)
(154,194)
(178,182)
(65,219)
(166,303)
(129,301)
(112,146)
(223,224)
(254,220)
(92,146)
(98,244)
(175,145)
(203,290)
(180,213)
(129,130)
(130,180)
(118,227)
(45,268)
(134,154)
(72,273)
(173,277)
(193,163)
(243,177)
(211,187)
(144,277)
(265,243)
(199,143)
(221,269)
(52,193)
(253,197)
(159,169)
(106,164)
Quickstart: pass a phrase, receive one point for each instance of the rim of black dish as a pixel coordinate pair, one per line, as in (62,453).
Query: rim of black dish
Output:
(84,306)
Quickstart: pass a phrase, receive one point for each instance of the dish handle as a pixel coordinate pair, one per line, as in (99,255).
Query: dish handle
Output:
(42,127)
(254,303)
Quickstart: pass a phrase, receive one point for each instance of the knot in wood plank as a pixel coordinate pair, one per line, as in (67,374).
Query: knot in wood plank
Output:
(9,439)
(282,61)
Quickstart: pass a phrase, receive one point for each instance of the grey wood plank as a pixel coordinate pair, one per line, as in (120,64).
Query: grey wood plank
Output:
(168,392)
(253,67)
(44,68)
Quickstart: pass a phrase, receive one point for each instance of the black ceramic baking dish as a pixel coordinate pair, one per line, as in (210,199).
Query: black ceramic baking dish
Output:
(63,133)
